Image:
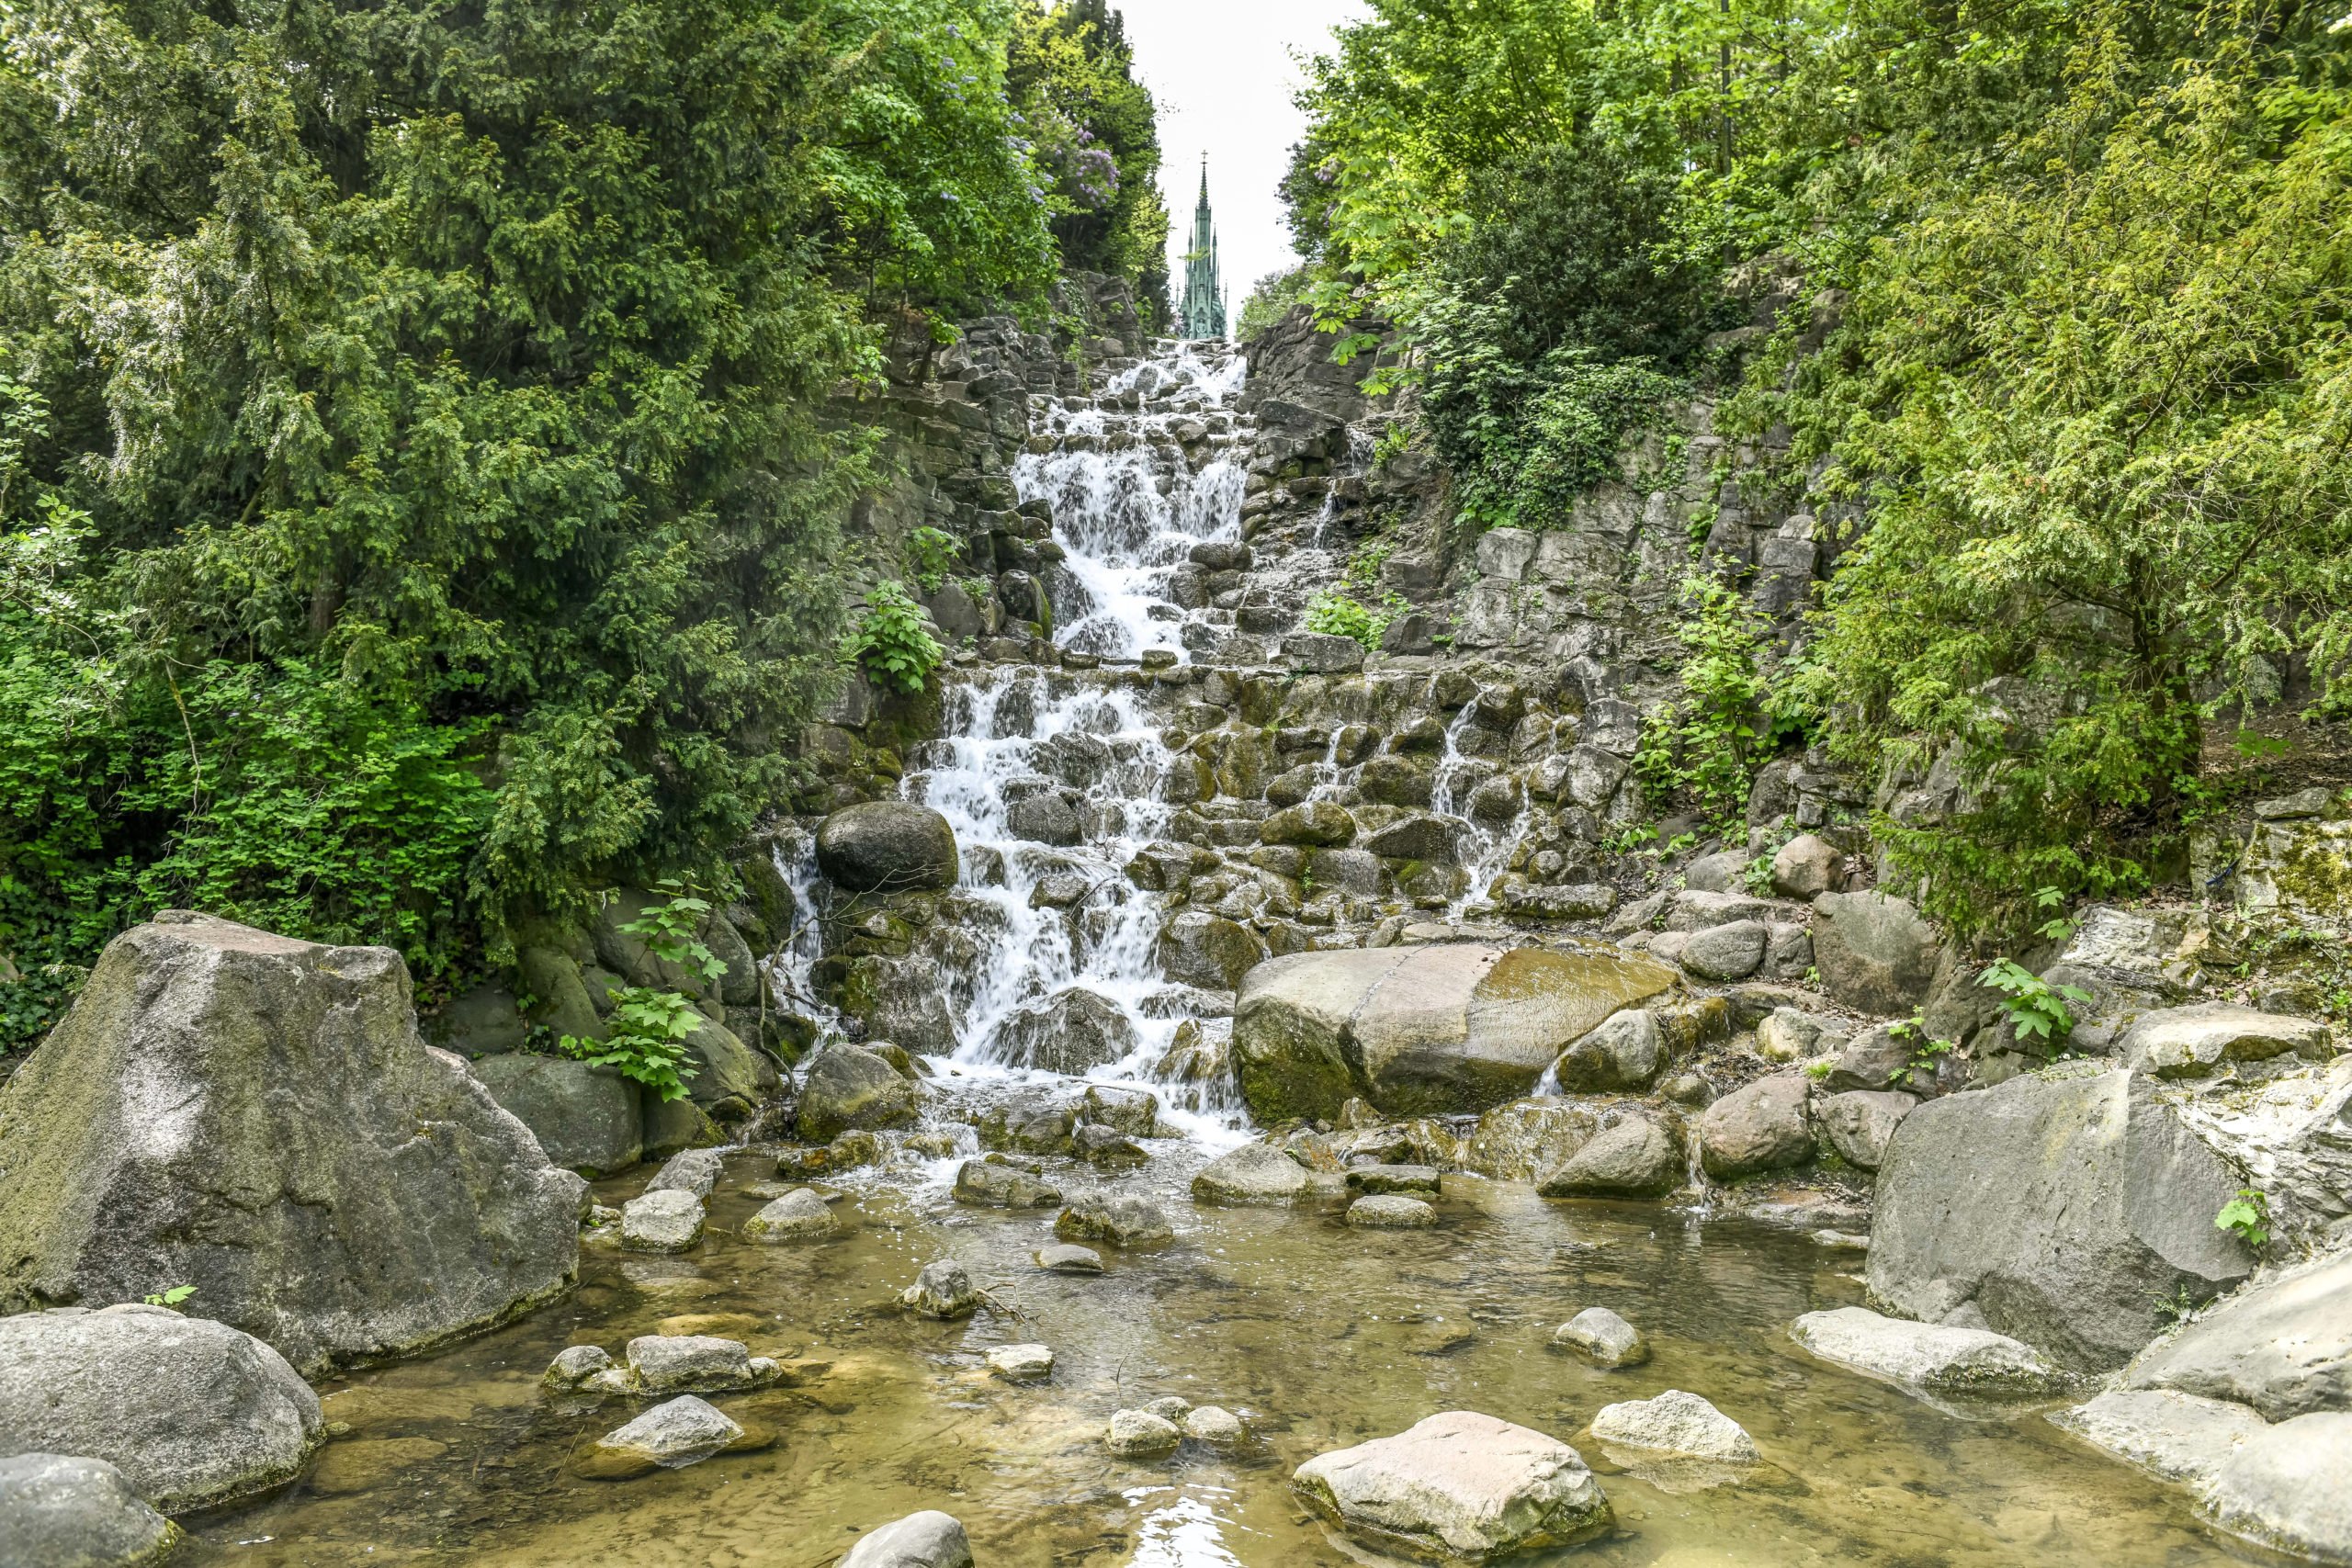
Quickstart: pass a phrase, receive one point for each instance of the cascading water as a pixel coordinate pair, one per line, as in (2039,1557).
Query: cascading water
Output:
(1052,779)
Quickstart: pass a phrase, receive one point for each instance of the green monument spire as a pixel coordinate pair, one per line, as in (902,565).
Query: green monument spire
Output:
(1203,314)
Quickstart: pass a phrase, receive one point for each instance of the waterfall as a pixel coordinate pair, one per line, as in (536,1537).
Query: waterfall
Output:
(1052,779)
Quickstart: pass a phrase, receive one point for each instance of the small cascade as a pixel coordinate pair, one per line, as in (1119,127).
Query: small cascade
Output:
(1483,852)
(1054,778)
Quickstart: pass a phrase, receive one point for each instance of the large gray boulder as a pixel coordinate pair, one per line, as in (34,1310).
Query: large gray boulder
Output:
(64,1511)
(928,1540)
(1626,1053)
(586,1119)
(256,1117)
(1419,1031)
(1761,1127)
(2060,1209)
(886,846)
(2174,1437)
(2196,1042)
(849,1086)
(2284,1347)
(1926,1355)
(1075,1031)
(2285,1487)
(1860,1124)
(193,1413)
(731,1081)
(1874,953)
(1458,1486)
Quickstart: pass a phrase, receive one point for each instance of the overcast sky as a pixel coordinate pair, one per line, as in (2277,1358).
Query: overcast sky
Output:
(1221,71)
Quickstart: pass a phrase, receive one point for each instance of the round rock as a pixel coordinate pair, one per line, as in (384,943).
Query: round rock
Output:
(1675,1423)
(928,1540)
(1066,1257)
(1603,1338)
(886,846)
(1392,1212)
(799,1216)
(64,1511)
(1139,1434)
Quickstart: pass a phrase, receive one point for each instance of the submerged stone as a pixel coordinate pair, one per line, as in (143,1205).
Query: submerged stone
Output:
(1603,1338)
(64,1511)
(1121,1219)
(943,1289)
(687,1430)
(1390,1213)
(799,1216)
(1139,1434)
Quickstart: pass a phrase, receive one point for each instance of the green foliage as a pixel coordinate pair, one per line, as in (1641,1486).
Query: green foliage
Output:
(1092,131)
(671,927)
(645,1039)
(171,1296)
(1757,875)
(1269,300)
(1340,614)
(1704,747)
(2246,1216)
(932,553)
(893,639)
(2037,1011)
(420,485)
(1925,1053)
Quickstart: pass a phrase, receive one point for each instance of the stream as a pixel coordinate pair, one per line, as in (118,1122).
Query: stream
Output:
(1318,1335)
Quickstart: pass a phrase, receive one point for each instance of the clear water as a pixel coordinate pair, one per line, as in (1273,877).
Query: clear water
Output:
(1321,1335)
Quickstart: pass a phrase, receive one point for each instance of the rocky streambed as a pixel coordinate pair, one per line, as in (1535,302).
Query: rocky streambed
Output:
(1317,1335)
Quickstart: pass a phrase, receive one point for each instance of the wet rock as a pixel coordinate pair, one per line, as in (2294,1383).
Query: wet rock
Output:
(1807,866)
(1135,1112)
(1074,1033)
(1120,1218)
(2284,1487)
(1860,1124)
(1791,1035)
(1254,1173)
(1729,952)
(1926,1355)
(2196,1042)
(1840,1240)
(1021,1363)
(586,1119)
(1319,825)
(1638,1157)
(1068,1259)
(241,1112)
(1675,1423)
(1321,654)
(2174,1437)
(886,846)
(984,1184)
(2283,1347)
(1875,954)
(1170,1407)
(1106,1148)
(1417,1030)
(730,1080)
(799,1216)
(1390,1213)
(1459,1486)
(902,999)
(928,1540)
(1419,838)
(696,1363)
(685,1430)
(1578,901)
(2062,1206)
(1212,1425)
(1624,1052)
(577,1368)
(1200,949)
(64,1511)
(1603,1338)
(847,1088)
(1045,816)
(193,1413)
(690,1170)
(1139,1434)
(943,1290)
(669,1220)
(1381,1180)
(1396,779)
(1524,1139)
(1761,1127)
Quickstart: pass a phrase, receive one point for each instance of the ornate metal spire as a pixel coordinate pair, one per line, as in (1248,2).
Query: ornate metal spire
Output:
(1201,315)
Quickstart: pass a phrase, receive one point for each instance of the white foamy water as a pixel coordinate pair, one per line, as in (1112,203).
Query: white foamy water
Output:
(1053,779)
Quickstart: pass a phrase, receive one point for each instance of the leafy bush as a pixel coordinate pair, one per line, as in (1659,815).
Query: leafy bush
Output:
(1338,614)
(644,1040)
(1269,300)
(893,639)
(2037,1011)
(933,554)
(2246,1216)
(1705,746)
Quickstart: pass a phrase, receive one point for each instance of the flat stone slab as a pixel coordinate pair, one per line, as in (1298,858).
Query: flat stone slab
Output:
(1926,1355)
(1383,1180)
(2174,1437)
(1253,1174)
(1394,1212)
(667,1220)
(1067,1258)
(1458,1486)
(696,1363)
(2283,1347)
(1021,1363)
(2285,1487)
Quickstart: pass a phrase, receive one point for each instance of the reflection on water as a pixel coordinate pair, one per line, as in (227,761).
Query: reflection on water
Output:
(1319,1335)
